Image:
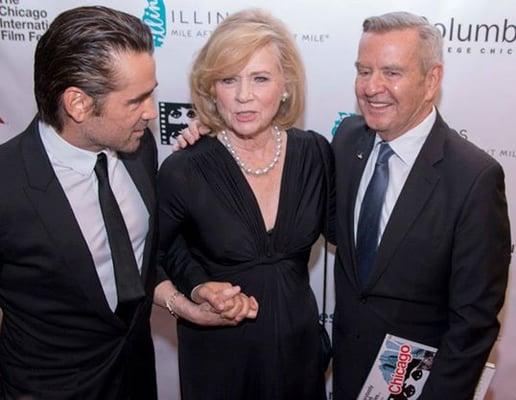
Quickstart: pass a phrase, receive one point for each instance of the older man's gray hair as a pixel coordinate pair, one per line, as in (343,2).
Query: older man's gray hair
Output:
(431,39)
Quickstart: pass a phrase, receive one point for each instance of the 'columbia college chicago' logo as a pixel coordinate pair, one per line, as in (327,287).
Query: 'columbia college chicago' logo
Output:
(154,16)
(172,118)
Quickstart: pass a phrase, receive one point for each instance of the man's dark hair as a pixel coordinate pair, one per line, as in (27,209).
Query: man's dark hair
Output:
(79,49)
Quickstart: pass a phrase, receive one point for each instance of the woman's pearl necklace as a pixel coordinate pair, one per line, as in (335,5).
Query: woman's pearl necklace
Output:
(245,168)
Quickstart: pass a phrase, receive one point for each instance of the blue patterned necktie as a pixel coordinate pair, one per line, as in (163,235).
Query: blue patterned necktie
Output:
(369,219)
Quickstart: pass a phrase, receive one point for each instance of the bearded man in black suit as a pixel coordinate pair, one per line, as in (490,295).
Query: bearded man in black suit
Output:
(78,229)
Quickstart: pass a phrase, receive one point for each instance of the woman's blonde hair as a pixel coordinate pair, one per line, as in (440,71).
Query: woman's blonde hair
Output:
(229,49)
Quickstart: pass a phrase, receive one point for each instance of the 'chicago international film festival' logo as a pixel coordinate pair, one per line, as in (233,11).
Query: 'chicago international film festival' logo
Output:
(172,118)
(339,119)
(154,16)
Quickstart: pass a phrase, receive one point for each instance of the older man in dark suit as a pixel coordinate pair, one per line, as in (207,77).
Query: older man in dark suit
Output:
(422,229)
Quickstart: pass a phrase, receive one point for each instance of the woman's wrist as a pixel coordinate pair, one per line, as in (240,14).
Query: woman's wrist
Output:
(171,303)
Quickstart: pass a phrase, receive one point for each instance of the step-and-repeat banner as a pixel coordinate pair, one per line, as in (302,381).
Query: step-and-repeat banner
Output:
(478,96)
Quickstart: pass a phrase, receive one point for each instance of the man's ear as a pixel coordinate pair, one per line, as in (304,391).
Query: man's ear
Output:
(77,104)
(434,78)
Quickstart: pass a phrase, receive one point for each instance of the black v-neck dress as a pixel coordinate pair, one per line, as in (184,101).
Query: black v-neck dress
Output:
(206,199)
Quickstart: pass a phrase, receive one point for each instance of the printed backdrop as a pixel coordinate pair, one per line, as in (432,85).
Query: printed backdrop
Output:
(478,96)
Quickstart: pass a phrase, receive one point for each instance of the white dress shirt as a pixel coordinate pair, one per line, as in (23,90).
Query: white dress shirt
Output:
(406,149)
(74,170)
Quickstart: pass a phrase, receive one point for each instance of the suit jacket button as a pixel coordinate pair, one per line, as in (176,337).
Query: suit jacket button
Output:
(363,299)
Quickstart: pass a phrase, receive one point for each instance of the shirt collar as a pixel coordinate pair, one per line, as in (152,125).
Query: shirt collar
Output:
(64,154)
(408,145)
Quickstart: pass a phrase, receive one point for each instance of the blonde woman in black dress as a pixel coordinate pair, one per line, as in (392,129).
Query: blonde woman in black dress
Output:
(249,201)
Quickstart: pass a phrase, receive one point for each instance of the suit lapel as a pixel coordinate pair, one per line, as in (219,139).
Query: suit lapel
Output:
(143,183)
(55,212)
(418,188)
(360,156)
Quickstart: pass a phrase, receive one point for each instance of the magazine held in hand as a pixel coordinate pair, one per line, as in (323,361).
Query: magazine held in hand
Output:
(401,369)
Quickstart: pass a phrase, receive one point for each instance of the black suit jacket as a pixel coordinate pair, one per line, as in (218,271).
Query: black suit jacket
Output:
(59,338)
(441,268)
